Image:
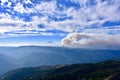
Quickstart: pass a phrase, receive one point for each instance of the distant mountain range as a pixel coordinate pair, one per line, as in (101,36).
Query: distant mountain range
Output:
(107,70)
(32,56)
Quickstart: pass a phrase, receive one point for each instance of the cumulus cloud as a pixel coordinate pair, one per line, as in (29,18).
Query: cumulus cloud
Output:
(98,41)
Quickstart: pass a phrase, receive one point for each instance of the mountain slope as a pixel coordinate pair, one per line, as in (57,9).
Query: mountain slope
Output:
(32,56)
(91,71)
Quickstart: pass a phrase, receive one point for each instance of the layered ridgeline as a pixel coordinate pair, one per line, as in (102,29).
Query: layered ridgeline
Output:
(108,70)
(32,56)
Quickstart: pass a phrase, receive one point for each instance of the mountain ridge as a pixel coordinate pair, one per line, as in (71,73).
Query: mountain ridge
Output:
(17,57)
(89,71)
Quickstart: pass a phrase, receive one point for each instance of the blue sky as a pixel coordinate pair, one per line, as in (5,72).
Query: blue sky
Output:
(50,22)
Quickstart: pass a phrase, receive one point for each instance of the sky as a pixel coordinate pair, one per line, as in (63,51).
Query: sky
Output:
(70,23)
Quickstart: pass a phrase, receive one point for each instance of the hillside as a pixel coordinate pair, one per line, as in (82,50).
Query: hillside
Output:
(108,70)
(33,56)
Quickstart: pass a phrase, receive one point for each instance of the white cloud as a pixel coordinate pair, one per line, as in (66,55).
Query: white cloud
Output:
(87,15)
(98,41)
(3,1)
(82,18)
(19,8)
(46,7)
(107,10)
(27,1)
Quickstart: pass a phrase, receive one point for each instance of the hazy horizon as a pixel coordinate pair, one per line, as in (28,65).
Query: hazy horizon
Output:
(34,56)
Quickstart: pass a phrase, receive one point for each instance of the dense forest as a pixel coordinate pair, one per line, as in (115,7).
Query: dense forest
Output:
(108,70)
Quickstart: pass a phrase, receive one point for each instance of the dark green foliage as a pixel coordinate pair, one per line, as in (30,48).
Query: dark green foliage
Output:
(95,71)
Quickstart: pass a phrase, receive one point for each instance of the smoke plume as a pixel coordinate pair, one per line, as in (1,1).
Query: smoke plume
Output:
(99,41)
